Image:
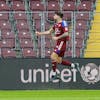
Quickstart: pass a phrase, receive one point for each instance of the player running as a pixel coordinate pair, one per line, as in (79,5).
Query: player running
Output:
(61,37)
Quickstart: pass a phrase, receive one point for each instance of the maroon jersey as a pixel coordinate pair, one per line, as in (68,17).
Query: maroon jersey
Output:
(61,28)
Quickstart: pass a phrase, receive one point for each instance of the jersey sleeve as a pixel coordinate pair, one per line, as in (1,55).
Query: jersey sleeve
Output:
(65,26)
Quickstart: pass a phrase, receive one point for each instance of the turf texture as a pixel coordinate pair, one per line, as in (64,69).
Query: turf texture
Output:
(50,95)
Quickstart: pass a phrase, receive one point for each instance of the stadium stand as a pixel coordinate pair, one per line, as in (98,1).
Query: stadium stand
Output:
(20,16)
(69,6)
(19,19)
(37,5)
(7,52)
(28,53)
(53,5)
(18,5)
(85,6)
(4,16)
(4,6)
(7,35)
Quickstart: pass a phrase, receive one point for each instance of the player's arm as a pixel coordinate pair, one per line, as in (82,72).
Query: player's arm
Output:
(45,32)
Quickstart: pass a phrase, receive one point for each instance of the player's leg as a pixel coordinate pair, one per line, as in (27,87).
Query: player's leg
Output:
(54,67)
(55,60)
(65,62)
(55,57)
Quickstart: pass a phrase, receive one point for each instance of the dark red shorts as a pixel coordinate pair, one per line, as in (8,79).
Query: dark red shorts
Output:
(60,48)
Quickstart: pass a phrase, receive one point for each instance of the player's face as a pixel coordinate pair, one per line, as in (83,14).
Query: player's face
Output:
(56,17)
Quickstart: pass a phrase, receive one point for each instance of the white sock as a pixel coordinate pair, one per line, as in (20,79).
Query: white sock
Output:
(54,73)
(72,65)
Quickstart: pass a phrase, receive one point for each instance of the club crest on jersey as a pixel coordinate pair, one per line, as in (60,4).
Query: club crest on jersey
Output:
(57,31)
(66,29)
(59,25)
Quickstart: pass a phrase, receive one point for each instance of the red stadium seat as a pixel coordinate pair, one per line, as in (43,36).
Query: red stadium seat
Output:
(48,37)
(4,6)
(36,16)
(67,16)
(0,44)
(38,25)
(20,16)
(26,43)
(22,25)
(8,53)
(7,35)
(47,25)
(78,43)
(85,6)
(4,16)
(69,6)
(82,16)
(4,1)
(18,6)
(7,43)
(68,53)
(47,43)
(24,35)
(89,0)
(53,0)
(80,34)
(69,0)
(20,1)
(28,53)
(39,42)
(81,25)
(37,5)
(78,53)
(53,5)
(5,25)
(50,16)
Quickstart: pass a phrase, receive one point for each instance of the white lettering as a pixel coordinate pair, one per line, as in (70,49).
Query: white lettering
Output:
(66,75)
(29,76)
(35,71)
(74,71)
(44,75)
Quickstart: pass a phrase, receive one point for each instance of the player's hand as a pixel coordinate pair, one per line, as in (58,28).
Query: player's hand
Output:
(55,38)
(37,33)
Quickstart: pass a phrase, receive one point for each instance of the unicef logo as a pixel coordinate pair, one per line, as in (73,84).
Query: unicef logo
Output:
(90,73)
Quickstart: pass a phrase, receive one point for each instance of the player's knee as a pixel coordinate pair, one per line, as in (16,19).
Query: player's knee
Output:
(56,58)
(59,60)
(53,56)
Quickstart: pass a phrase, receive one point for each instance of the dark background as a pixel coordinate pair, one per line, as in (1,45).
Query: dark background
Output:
(10,75)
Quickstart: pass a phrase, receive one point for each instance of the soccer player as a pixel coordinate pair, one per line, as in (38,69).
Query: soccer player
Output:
(61,37)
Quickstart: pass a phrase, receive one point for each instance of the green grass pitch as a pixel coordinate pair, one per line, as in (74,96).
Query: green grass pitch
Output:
(50,95)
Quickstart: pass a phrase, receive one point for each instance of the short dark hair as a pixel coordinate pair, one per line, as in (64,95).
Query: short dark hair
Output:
(59,13)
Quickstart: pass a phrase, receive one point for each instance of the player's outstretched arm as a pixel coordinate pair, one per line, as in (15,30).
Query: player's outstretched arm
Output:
(45,33)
